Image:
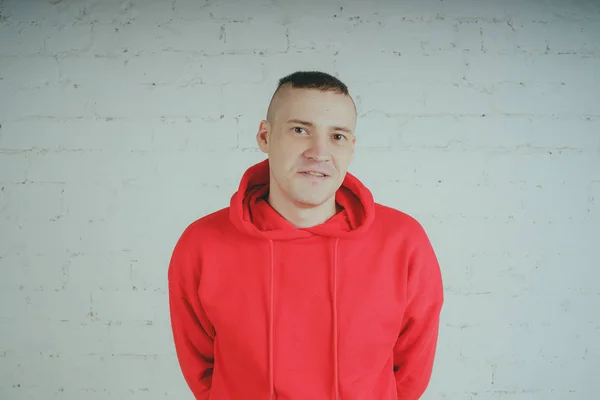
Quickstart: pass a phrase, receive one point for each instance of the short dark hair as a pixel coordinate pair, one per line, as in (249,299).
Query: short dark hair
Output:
(314,80)
(309,80)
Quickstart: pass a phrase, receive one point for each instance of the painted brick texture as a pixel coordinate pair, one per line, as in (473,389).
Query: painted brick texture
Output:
(123,121)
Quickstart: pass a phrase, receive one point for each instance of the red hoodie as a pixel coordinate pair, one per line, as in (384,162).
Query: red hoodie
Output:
(262,310)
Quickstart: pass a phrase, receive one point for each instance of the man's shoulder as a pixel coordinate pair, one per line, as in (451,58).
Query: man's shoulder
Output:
(393,219)
(391,215)
(208,224)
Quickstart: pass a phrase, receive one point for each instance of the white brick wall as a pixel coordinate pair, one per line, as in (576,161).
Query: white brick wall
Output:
(123,121)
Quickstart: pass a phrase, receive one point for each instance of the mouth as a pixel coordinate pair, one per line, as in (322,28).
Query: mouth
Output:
(314,174)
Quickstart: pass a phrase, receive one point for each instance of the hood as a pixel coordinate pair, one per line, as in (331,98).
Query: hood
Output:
(251,213)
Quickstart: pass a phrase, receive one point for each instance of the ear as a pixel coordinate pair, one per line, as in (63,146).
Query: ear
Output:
(262,137)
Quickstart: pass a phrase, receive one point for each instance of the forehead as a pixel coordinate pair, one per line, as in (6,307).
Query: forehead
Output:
(326,107)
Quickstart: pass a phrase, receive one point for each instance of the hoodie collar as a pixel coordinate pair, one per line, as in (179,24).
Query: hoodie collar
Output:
(251,213)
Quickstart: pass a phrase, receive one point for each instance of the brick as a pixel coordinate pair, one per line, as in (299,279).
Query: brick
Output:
(130,305)
(96,237)
(125,338)
(64,339)
(540,36)
(147,38)
(456,99)
(69,39)
(149,70)
(46,305)
(387,67)
(414,98)
(394,34)
(519,343)
(566,37)
(489,68)
(173,166)
(4,201)
(32,72)
(248,99)
(305,33)
(466,10)
(532,394)
(231,69)
(544,99)
(468,36)
(110,372)
(25,103)
(384,97)
(557,375)
(477,379)
(13,167)
(382,166)
(506,37)
(308,9)
(21,39)
(33,272)
(492,309)
(501,133)
(151,12)
(195,134)
(509,232)
(77,167)
(192,10)
(230,10)
(24,202)
(276,66)
(262,36)
(111,11)
(132,102)
(108,271)
(482,201)
(247,129)
(542,168)
(422,167)
(523,68)
(555,202)
(15,12)
(420,37)
(82,134)
(593,206)
(148,271)
(446,166)
(568,69)
(87,201)
(517,271)
(377,131)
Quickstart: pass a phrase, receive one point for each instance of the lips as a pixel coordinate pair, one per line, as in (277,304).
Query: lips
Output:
(317,174)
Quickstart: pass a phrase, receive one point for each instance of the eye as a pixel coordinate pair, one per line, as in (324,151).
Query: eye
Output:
(338,137)
(298,129)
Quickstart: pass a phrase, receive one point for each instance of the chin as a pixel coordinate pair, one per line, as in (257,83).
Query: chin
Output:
(312,201)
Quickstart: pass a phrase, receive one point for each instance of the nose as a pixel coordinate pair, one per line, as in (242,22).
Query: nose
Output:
(319,149)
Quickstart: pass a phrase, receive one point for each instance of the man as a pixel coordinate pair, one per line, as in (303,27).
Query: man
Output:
(304,288)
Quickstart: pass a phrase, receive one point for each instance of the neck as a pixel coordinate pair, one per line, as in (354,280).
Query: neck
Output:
(301,215)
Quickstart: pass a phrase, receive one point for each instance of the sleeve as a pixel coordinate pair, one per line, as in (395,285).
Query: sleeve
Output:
(415,349)
(193,333)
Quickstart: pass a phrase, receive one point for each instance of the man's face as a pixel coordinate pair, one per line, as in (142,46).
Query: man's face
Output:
(310,143)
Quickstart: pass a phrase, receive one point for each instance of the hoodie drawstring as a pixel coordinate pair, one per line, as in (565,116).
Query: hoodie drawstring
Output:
(271,385)
(335,321)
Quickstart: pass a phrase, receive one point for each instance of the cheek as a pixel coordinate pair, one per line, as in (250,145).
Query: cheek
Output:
(343,160)
(288,155)
(284,163)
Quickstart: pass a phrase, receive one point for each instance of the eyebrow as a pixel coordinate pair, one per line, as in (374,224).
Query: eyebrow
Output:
(310,124)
